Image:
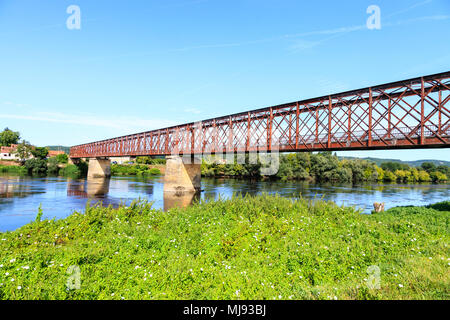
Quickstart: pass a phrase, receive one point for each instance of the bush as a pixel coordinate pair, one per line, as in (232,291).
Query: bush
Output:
(14,170)
(150,160)
(62,158)
(133,170)
(71,170)
(437,176)
(53,168)
(40,152)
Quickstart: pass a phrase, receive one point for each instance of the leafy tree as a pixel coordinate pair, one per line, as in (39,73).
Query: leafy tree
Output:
(437,176)
(380,173)
(389,176)
(36,166)
(143,160)
(8,137)
(62,158)
(424,176)
(443,169)
(52,167)
(40,152)
(428,166)
(393,166)
(414,175)
(23,151)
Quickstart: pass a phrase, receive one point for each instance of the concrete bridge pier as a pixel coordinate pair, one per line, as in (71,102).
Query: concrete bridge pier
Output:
(183,175)
(99,168)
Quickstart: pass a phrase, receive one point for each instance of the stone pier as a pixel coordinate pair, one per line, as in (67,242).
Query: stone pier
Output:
(99,168)
(183,175)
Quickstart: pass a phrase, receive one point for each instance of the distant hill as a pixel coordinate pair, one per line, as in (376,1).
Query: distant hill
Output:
(59,148)
(416,163)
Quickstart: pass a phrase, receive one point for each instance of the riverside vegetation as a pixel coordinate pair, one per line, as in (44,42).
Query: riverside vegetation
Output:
(326,167)
(262,247)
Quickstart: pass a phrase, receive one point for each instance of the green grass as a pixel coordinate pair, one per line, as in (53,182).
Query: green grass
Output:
(17,170)
(263,247)
(133,170)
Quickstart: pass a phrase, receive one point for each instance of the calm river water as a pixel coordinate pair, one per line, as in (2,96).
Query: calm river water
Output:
(20,197)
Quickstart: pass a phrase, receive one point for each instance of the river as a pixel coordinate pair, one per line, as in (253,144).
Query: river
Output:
(20,197)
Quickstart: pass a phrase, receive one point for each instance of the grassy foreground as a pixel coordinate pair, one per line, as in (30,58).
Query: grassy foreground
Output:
(263,247)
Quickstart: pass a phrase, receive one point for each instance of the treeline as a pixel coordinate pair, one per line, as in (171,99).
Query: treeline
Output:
(326,167)
(133,170)
(40,165)
(150,160)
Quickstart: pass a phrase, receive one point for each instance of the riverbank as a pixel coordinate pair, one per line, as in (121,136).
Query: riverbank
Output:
(136,170)
(262,247)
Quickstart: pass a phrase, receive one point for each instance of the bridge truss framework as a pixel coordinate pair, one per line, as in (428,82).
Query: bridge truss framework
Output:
(412,113)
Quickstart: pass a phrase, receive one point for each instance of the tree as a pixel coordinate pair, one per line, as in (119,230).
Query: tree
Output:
(23,151)
(40,152)
(62,158)
(443,169)
(393,166)
(8,137)
(424,176)
(52,166)
(428,166)
(36,166)
(389,176)
(437,176)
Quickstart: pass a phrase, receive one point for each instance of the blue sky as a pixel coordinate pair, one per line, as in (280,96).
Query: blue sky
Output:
(141,65)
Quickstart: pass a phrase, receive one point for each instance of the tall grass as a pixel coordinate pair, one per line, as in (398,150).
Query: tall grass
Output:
(17,170)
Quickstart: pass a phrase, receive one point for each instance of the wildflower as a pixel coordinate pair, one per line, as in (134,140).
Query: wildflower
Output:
(19,287)
(400,285)
(12,260)
(7,274)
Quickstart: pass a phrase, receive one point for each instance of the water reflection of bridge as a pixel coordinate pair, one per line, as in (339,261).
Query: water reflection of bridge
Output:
(12,187)
(99,188)
(92,187)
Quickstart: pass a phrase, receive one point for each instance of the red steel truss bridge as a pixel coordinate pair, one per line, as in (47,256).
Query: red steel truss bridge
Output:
(412,113)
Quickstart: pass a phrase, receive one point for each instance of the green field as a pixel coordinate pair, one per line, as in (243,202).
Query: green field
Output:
(263,247)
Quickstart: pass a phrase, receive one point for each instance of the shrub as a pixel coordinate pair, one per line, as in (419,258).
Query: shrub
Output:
(36,166)
(62,158)
(71,170)
(133,170)
(14,170)
(53,168)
